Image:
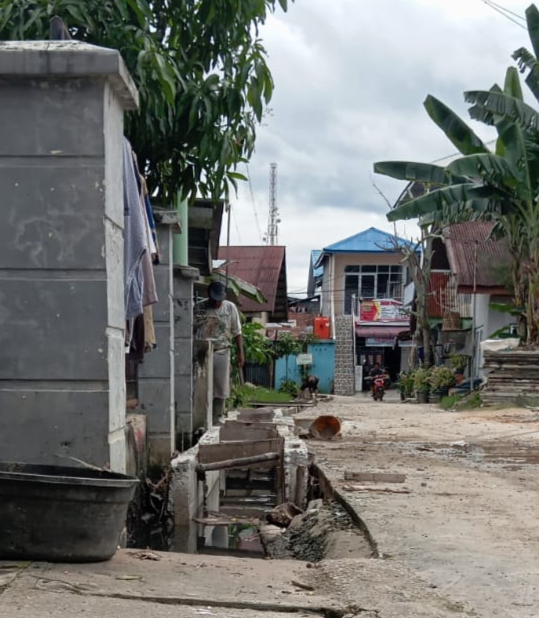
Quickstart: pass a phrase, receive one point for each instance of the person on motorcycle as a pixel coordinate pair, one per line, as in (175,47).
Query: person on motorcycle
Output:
(375,371)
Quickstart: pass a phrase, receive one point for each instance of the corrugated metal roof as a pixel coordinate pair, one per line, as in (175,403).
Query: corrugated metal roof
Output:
(474,256)
(368,241)
(264,267)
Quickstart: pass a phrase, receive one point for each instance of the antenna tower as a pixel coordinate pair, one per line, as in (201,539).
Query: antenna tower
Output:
(272,236)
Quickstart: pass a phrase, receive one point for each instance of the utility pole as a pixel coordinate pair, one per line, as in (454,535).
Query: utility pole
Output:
(272,236)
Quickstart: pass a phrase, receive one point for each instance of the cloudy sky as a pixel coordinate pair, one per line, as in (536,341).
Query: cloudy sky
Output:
(350,79)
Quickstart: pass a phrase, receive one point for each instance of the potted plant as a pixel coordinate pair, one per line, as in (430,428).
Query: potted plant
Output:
(441,380)
(406,384)
(459,362)
(422,384)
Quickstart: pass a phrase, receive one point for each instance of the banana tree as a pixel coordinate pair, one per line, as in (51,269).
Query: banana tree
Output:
(500,186)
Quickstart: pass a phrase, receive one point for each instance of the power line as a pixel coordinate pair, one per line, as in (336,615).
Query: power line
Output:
(258,229)
(235,225)
(504,12)
(517,15)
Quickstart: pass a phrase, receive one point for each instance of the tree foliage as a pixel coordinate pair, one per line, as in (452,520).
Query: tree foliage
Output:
(201,71)
(501,186)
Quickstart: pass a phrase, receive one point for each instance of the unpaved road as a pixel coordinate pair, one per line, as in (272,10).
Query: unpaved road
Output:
(463,541)
(469,526)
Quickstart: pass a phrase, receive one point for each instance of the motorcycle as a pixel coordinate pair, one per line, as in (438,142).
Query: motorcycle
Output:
(379,386)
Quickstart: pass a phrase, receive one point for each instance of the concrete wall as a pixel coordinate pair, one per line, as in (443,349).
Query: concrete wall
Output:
(62,376)
(344,356)
(488,321)
(155,395)
(184,278)
(323,366)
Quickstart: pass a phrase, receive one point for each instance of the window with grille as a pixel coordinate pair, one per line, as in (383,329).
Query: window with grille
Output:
(371,281)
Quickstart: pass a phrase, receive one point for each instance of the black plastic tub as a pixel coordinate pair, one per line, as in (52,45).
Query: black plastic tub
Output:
(61,514)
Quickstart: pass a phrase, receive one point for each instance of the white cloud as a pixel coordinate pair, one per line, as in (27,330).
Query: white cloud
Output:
(351,77)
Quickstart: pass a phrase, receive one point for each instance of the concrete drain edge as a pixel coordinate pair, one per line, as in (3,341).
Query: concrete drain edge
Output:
(330,493)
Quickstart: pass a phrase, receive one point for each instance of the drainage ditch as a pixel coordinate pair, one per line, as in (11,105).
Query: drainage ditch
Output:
(328,528)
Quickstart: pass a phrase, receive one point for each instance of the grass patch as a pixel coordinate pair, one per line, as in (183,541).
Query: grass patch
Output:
(449,402)
(471,402)
(267,395)
(461,402)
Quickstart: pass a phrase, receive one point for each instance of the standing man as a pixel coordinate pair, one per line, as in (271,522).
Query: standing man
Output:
(221,323)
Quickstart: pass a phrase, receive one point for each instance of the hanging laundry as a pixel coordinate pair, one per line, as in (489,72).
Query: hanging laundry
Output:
(135,238)
(150,342)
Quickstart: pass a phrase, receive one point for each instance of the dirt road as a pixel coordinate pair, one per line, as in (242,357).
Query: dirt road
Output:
(459,537)
(468,526)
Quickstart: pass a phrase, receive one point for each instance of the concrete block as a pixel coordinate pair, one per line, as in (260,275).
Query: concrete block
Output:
(183,357)
(68,60)
(157,362)
(154,401)
(54,112)
(183,387)
(46,220)
(159,449)
(161,311)
(114,249)
(114,139)
(35,425)
(53,330)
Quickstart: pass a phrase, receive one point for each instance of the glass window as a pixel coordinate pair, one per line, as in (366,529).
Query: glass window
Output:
(382,285)
(383,269)
(367,286)
(350,290)
(351,269)
(368,269)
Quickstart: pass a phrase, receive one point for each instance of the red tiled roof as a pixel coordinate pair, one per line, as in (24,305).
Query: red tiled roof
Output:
(264,267)
(474,257)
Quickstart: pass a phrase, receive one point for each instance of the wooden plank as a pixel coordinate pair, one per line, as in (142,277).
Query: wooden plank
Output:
(375,489)
(238,462)
(210,453)
(373,477)
(234,431)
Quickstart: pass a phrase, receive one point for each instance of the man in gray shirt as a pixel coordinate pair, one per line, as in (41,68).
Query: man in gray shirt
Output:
(221,323)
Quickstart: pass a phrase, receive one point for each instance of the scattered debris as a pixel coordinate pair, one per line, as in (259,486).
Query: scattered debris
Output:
(130,578)
(283,514)
(222,519)
(145,555)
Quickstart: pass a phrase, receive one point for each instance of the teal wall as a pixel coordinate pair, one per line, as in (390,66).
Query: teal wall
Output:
(323,366)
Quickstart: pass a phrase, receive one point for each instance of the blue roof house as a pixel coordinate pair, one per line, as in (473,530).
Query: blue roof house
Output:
(364,276)
(366,266)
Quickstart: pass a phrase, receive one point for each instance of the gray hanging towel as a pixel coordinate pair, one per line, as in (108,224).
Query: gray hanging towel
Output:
(135,243)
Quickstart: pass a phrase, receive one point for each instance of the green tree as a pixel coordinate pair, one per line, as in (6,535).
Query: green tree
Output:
(257,347)
(201,71)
